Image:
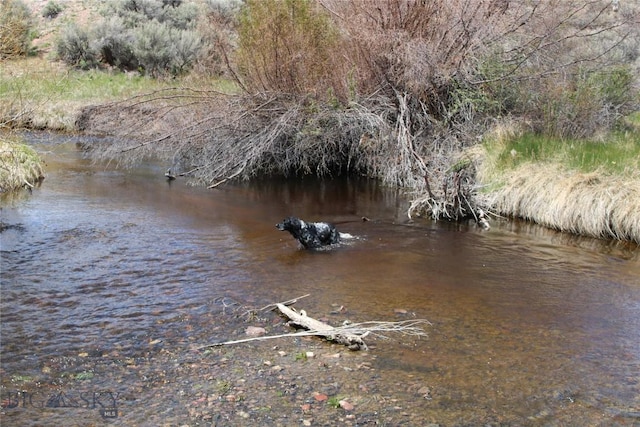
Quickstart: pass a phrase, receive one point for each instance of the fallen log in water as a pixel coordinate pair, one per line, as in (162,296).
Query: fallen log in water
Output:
(351,335)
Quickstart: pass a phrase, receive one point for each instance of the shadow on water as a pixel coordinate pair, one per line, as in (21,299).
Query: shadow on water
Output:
(530,326)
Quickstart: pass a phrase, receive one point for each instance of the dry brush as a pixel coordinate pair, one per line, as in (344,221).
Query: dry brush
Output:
(392,89)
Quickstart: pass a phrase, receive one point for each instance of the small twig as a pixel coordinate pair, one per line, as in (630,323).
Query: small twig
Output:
(233,175)
(189,172)
(288,302)
(295,334)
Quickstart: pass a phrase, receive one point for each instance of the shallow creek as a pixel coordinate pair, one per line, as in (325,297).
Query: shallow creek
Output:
(111,279)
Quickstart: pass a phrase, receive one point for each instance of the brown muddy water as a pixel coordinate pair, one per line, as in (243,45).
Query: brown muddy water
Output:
(111,279)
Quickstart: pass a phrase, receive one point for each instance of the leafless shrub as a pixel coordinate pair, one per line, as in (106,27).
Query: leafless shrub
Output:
(241,136)
(417,47)
(219,33)
(213,138)
(560,64)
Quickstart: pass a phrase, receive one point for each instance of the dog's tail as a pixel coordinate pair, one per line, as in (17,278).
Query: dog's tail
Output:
(346,236)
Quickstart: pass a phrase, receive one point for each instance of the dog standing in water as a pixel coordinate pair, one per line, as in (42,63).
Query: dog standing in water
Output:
(310,234)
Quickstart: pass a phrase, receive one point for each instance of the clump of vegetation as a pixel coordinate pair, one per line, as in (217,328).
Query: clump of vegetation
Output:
(16,27)
(52,10)
(152,36)
(297,58)
(334,402)
(579,185)
(581,103)
(593,204)
(75,47)
(20,165)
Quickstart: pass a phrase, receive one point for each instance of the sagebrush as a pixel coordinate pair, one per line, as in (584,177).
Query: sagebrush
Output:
(155,37)
(16,25)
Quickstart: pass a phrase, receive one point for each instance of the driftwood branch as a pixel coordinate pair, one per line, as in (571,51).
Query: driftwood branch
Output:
(351,335)
(220,344)
(352,340)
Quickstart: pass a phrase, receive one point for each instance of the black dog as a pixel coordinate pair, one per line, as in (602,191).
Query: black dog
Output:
(311,234)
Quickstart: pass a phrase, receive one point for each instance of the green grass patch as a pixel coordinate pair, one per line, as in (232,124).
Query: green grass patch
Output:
(42,81)
(223,386)
(83,376)
(618,154)
(633,122)
(334,402)
(37,93)
(21,378)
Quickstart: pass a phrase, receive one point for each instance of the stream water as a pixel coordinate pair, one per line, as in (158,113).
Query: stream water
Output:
(108,276)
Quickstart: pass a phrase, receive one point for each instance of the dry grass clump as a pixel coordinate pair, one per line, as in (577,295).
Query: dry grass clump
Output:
(593,204)
(15,28)
(579,186)
(20,165)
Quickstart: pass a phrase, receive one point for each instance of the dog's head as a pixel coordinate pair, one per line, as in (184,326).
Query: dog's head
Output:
(291,224)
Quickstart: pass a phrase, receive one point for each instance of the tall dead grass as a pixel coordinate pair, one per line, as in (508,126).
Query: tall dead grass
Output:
(594,204)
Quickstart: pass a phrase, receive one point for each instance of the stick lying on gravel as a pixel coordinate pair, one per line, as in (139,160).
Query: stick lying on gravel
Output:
(352,340)
(350,335)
